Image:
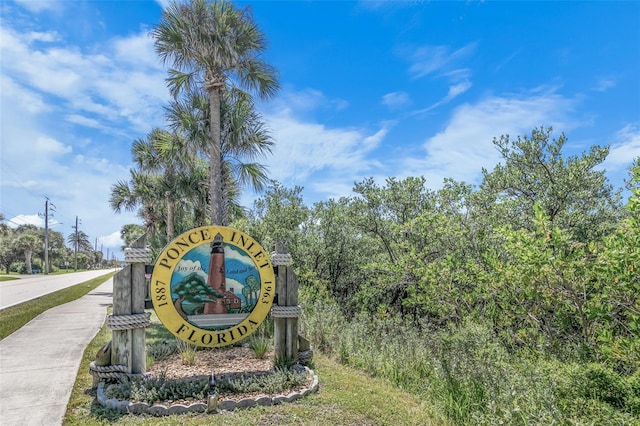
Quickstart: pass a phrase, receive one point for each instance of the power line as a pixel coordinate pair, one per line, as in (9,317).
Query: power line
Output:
(6,169)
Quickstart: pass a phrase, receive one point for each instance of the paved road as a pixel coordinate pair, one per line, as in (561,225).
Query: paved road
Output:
(29,287)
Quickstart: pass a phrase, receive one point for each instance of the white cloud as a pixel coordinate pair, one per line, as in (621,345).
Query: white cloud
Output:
(84,121)
(21,97)
(396,99)
(42,5)
(458,89)
(49,146)
(186,267)
(123,82)
(111,240)
(464,146)
(304,148)
(137,50)
(23,219)
(52,92)
(624,149)
(46,36)
(455,90)
(604,84)
(231,254)
(431,59)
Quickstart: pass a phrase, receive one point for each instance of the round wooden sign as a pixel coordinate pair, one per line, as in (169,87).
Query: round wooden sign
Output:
(212,286)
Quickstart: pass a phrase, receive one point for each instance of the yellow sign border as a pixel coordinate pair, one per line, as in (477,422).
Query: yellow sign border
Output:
(160,287)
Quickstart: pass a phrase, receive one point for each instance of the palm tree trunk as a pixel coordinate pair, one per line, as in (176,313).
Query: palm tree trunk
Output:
(215,156)
(27,261)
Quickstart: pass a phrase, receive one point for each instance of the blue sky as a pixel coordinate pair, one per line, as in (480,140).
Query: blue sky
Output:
(369,89)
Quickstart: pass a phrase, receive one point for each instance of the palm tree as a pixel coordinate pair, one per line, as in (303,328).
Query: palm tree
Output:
(212,45)
(27,243)
(166,155)
(140,190)
(79,240)
(244,138)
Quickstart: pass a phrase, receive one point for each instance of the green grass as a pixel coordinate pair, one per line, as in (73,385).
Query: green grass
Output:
(14,317)
(346,397)
(7,278)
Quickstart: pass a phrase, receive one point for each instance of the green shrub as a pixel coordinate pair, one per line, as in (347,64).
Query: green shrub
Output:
(270,383)
(597,382)
(150,389)
(470,376)
(187,354)
(162,351)
(157,389)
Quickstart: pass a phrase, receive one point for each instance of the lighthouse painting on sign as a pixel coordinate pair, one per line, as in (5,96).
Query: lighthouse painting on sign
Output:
(215,286)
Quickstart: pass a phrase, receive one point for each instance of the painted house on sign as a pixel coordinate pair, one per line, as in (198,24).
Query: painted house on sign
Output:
(231,300)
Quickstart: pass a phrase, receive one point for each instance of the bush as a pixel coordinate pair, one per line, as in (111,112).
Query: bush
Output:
(271,383)
(157,389)
(150,389)
(469,374)
(597,382)
(163,350)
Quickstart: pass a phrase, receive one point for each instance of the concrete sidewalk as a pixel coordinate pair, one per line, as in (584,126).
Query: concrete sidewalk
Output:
(39,362)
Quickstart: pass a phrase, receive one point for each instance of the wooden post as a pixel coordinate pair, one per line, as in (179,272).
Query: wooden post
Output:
(128,347)
(138,295)
(292,322)
(279,323)
(285,312)
(121,346)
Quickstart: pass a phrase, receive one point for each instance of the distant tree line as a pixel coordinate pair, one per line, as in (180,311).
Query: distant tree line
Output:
(22,250)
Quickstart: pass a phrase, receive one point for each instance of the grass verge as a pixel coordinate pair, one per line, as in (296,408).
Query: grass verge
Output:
(346,397)
(8,278)
(16,316)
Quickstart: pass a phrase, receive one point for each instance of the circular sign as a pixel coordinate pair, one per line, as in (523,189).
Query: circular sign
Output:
(212,286)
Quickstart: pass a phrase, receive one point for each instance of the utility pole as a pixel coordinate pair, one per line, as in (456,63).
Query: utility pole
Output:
(75,255)
(47,206)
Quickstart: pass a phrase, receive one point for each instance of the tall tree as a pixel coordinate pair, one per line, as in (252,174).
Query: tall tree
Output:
(244,139)
(79,240)
(165,155)
(140,191)
(213,45)
(27,241)
(7,255)
(572,192)
(129,233)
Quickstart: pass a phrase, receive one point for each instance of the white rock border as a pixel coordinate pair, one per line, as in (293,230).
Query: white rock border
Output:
(125,406)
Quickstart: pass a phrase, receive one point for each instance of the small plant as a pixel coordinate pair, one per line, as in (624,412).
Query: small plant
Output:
(283,363)
(260,344)
(271,383)
(155,389)
(149,361)
(163,350)
(187,352)
(151,390)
